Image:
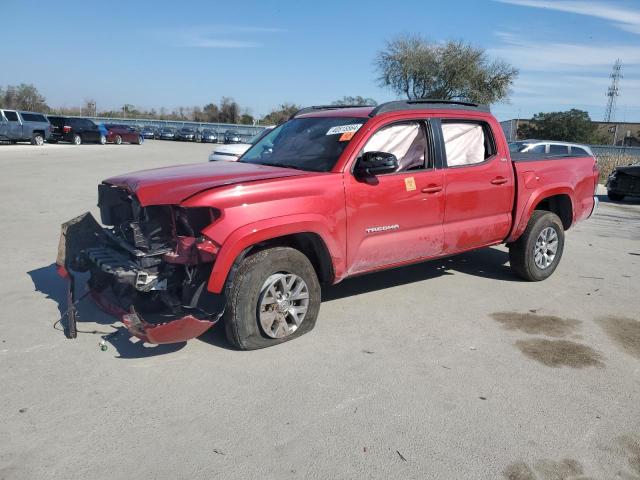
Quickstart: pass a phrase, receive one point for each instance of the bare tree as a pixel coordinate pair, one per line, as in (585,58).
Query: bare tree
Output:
(357,100)
(417,68)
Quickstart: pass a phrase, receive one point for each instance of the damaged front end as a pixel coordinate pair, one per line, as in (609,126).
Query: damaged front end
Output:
(149,266)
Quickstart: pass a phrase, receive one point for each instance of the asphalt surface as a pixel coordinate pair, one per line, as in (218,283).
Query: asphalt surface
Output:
(452,369)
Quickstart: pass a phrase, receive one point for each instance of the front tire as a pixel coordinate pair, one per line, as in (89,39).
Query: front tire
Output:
(536,254)
(275,297)
(118,140)
(37,139)
(616,197)
(103,140)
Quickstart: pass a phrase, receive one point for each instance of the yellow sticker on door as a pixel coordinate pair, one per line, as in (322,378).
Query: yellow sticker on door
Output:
(410,184)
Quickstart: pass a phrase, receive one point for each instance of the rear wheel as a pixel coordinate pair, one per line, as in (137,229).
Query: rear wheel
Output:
(140,140)
(536,254)
(37,139)
(103,140)
(616,197)
(275,297)
(118,140)
(77,139)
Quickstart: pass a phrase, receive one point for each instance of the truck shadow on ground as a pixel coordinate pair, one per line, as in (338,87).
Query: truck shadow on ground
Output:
(46,280)
(489,263)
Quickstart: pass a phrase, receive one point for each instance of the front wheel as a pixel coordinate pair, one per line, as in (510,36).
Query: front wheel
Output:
(536,254)
(616,197)
(37,139)
(275,297)
(118,140)
(103,140)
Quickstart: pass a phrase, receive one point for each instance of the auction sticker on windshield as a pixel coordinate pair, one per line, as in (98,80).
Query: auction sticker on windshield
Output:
(344,129)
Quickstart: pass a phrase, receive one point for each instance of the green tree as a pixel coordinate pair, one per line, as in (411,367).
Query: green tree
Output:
(571,126)
(280,114)
(229,110)
(455,70)
(357,100)
(246,119)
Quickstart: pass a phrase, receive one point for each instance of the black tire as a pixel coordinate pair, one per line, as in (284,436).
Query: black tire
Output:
(37,139)
(118,140)
(522,251)
(616,197)
(241,320)
(77,139)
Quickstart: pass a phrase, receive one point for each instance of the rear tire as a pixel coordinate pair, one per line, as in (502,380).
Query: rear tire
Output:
(248,304)
(616,197)
(103,140)
(77,139)
(536,254)
(118,140)
(37,139)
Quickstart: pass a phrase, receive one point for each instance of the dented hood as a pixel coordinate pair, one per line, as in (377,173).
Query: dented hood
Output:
(172,185)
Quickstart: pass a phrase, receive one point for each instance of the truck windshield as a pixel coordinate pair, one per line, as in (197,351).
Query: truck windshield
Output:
(313,144)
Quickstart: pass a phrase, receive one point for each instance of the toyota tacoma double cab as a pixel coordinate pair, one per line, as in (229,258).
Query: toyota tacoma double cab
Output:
(331,193)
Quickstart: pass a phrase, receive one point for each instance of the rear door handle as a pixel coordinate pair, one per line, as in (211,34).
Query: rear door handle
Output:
(499,180)
(432,189)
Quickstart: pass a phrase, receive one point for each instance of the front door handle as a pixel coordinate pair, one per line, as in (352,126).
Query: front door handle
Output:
(499,180)
(432,189)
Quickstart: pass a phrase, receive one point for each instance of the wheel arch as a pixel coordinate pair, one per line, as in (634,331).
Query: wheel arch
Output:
(559,200)
(310,238)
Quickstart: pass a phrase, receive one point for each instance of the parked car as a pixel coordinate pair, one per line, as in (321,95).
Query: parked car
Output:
(231,136)
(167,134)
(550,147)
(150,132)
(624,182)
(232,152)
(18,126)
(208,136)
(186,134)
(333,192)
(75,130)
(119,134)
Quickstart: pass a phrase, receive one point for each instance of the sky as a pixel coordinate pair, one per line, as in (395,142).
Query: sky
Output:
(263,53)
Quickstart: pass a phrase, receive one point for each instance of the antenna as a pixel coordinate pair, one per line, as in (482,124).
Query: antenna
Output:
(613,92)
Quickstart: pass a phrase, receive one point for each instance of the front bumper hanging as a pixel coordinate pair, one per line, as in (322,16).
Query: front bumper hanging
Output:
(83,240)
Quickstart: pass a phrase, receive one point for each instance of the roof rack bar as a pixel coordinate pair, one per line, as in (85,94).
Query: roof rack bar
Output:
(420,102)
(314,108)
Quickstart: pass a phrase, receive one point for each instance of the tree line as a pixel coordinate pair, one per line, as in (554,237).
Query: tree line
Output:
(409,65)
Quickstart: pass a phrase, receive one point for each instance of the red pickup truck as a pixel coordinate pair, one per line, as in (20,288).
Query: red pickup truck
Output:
(331,193)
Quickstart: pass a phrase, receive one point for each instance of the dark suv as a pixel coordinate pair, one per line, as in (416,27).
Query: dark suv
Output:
(75,130)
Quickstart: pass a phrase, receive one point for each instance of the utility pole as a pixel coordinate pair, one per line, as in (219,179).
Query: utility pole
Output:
(613,92)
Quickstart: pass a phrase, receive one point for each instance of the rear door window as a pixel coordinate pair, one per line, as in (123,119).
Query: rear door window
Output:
(467,143)
(558,150)
(33,117)
(579,152)
(11,116)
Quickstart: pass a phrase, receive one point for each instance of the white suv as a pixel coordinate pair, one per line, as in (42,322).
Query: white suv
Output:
(550,147)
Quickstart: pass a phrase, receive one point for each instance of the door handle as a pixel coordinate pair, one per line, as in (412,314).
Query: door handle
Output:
(499,180)
(432,189)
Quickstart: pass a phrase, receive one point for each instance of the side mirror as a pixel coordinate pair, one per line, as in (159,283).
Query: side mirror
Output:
(376,163)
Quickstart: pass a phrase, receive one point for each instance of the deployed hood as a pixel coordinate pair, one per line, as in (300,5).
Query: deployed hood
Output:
(172,185)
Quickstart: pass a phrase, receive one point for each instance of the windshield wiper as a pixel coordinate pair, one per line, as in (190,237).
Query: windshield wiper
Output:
(281,165)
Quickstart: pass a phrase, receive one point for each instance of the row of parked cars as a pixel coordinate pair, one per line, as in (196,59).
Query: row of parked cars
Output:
(37,128)
(18,126)
(189,134)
